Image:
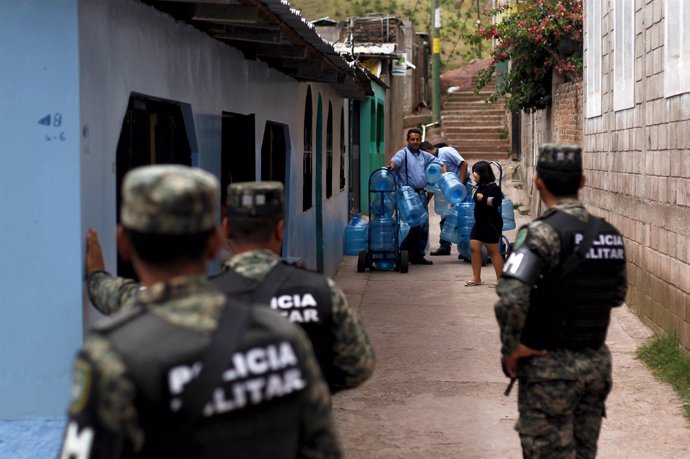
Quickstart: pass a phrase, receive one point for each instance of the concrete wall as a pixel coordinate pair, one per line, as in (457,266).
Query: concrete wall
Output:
(68,69)
(129,47)
(40,243)
(637,166)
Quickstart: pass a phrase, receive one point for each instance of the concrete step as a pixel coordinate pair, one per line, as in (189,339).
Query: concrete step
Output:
(487,131)
(477,120)
(474,156)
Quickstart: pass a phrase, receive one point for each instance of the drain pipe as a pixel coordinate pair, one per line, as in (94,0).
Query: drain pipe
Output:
(425,126)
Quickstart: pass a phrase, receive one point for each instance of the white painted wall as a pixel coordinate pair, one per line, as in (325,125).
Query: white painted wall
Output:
(128,47)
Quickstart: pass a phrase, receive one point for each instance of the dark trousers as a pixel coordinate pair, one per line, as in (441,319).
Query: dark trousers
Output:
(443,244)
(417,239)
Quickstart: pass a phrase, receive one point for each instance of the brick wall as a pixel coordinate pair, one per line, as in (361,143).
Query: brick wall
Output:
(567,113)
(637,163)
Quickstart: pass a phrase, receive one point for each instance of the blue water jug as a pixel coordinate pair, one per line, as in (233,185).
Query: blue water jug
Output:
(382,204)
(465,212)
(464,247)
(355,237)
(382,234)
(449,230)
(410,206)
(441,205)
(382,180)
(508,214)
(403,231)
(384,265)
(450,185)
(433,172)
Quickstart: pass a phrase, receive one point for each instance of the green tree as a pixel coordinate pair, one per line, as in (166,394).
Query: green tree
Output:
(538,37)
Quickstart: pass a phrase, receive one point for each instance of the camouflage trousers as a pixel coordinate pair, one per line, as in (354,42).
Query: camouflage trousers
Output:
(561,402)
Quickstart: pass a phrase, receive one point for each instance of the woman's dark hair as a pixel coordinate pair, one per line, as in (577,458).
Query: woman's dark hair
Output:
(159,249)
(252,229)
(486,174)
(440,145)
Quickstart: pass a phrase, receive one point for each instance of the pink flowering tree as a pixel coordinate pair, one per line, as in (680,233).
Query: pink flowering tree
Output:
(538,38)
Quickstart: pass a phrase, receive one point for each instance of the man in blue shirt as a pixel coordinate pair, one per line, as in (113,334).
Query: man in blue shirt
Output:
(410,164)
(455,163)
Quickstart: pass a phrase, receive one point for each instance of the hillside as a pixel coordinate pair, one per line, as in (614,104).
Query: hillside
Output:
(457,18)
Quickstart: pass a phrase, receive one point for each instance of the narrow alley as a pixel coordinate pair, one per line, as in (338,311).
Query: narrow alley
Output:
(438,388)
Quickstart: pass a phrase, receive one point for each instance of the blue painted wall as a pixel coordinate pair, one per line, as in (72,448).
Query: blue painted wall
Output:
(40,246)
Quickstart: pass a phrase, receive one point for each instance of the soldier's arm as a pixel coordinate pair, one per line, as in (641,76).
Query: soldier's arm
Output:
(103,422)
(107,293)
(110,294)
(537,251)
(354,359)
(318,438)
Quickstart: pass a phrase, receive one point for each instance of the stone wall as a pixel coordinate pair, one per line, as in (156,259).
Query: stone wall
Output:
(638,168)
(637,163)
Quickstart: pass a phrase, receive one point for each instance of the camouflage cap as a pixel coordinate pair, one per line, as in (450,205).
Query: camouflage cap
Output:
(255,199)
(169,199)
(560,158)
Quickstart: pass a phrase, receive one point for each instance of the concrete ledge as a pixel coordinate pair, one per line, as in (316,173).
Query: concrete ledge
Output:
(416,120)
(31,438)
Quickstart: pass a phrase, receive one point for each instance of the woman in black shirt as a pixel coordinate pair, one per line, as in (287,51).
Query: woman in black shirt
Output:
(488,222)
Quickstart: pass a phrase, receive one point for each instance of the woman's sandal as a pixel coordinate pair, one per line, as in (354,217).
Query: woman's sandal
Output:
(471,283)
(493,284)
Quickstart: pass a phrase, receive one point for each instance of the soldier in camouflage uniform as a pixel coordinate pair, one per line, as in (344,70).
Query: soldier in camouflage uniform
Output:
(255,229)
(131,378)
(557,289)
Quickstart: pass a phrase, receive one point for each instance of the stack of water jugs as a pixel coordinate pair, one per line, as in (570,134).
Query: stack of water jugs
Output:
(383,224)
(355,236)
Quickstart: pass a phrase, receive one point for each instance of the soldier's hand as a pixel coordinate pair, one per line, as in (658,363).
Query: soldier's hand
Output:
(94,254)
(522,352)
(479,196)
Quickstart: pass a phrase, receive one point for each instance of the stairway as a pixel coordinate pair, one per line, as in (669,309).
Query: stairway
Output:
(476,129)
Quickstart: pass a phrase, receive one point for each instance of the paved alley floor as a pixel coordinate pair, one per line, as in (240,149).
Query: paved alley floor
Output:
(438,388)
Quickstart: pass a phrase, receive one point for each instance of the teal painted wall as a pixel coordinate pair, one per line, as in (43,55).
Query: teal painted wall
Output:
(372,152)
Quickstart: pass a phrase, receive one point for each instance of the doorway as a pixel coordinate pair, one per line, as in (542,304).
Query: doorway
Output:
(237,150)
(319,185)
(153,132)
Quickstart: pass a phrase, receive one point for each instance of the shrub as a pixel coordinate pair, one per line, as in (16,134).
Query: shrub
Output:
(537,37)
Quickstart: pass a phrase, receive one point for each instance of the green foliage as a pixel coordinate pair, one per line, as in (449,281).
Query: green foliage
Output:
(669,363)
(458,18)
(538,37)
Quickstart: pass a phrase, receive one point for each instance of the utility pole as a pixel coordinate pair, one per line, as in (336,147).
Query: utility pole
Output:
(479,22)
(436,62)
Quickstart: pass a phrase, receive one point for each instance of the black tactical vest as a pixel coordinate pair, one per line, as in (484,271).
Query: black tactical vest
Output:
(572,309)
(255,411)
(303,297)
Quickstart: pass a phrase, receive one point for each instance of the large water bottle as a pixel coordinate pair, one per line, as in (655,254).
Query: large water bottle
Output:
(449,230)
(450,185)
(465,213)
(382,234)
(410,206)
(508,214)
(382,204)
(464,247)
(382,180)
(432,173)
(441,205)
(403,231)
(355,237)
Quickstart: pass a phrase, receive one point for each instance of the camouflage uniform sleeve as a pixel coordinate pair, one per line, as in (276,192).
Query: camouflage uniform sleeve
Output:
(110,294)
(318,438)
(103,422)
(354,359)
(513,303)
